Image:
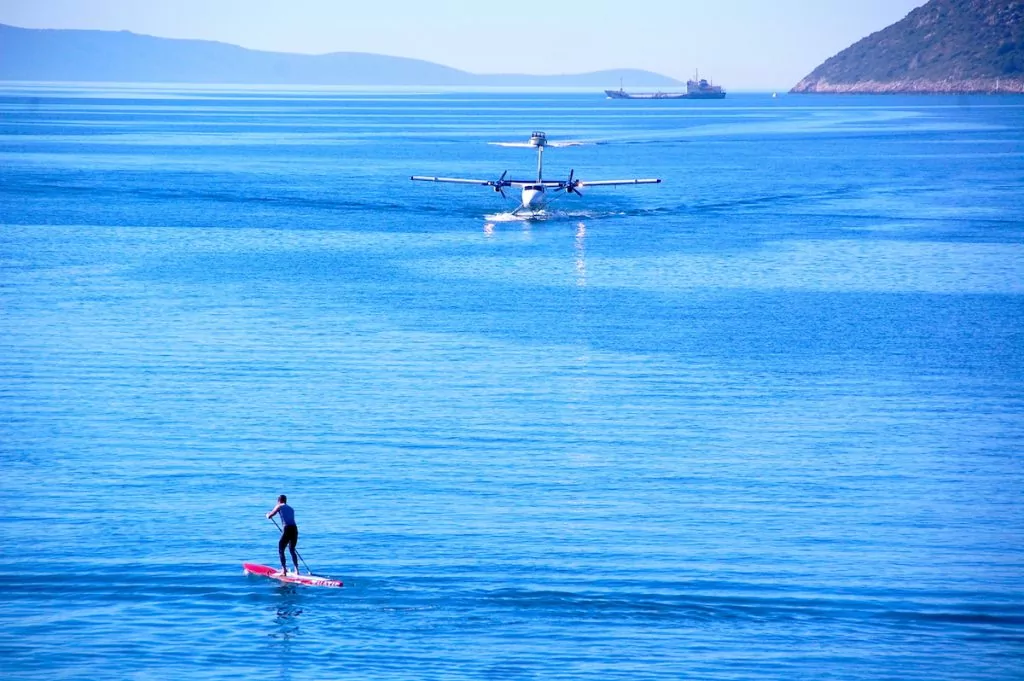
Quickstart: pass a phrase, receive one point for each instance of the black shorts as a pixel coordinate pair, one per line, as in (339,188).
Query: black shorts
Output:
(289,536)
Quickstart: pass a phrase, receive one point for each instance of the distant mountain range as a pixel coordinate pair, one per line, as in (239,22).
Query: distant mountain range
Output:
(122,56)
(944,46)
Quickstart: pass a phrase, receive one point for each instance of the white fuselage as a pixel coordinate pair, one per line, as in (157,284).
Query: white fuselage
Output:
(534,197)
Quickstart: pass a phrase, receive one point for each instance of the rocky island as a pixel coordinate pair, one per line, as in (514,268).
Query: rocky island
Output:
(942,47)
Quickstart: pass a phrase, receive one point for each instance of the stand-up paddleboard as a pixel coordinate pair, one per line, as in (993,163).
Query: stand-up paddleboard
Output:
(289,578)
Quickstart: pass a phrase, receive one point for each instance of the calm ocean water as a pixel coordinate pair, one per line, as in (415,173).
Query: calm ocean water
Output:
(762,421)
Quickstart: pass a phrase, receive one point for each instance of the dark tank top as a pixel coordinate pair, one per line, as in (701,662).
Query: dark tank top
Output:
(287,514)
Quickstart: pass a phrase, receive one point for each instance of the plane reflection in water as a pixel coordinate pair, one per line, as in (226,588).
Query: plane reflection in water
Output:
(537,193)
(581,255)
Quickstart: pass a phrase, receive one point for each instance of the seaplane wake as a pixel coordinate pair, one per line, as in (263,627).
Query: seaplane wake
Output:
(549,214)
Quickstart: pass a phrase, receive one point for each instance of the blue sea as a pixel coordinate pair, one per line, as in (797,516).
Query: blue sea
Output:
(764,420)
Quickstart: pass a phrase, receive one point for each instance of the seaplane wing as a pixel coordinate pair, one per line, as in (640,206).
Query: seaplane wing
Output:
(562,184)
(498,185)
(611,183)
(573,185)
(457,180)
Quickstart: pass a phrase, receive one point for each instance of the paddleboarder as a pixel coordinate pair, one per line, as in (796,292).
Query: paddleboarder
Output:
(289,532)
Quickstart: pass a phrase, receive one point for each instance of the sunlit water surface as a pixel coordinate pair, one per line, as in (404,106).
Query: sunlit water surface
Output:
(761,421)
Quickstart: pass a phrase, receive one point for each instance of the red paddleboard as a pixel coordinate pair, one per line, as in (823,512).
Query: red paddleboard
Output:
(290,578)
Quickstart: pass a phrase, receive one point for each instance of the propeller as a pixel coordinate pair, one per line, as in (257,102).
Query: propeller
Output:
(499,183)
(571,185)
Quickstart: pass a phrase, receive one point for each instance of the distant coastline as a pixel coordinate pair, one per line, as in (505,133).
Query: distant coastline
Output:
(125,57)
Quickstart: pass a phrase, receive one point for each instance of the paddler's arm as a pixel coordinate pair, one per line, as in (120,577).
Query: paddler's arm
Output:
(274,512)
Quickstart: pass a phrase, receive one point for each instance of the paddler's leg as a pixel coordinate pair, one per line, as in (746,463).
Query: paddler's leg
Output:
(281,543)
(292,540)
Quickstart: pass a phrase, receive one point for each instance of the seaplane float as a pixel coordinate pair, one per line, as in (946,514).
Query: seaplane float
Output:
(537,193)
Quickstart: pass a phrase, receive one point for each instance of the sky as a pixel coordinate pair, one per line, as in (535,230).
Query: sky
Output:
(741,44)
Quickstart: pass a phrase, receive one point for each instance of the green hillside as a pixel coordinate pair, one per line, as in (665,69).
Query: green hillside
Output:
(944,46)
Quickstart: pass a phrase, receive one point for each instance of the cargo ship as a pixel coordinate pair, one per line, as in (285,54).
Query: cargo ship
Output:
(697,88)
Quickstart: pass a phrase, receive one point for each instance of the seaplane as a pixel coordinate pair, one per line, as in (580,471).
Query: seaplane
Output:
(537,193)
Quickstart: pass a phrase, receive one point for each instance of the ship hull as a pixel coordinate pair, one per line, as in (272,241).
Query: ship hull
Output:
(619,94)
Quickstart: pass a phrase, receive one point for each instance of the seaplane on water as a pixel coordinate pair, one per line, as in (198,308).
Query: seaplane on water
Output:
(536,194)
